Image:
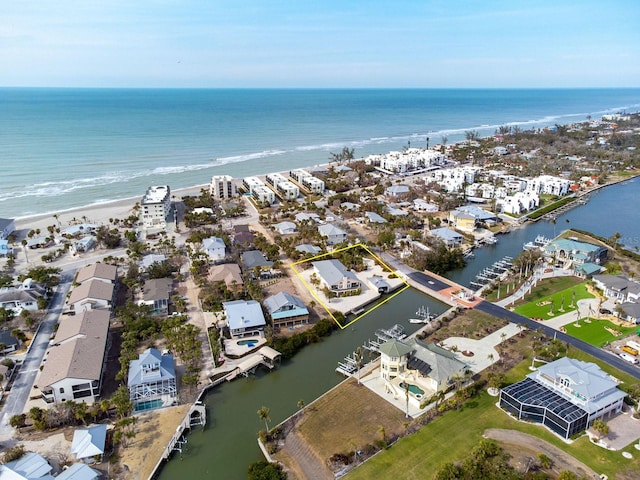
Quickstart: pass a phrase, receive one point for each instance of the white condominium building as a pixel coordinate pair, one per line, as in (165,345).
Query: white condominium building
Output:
(155,207)
(261,193)
(283,187)
(222,187)
(308,181)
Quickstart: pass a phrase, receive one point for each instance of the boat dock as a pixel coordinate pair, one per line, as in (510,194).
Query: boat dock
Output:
(489,274)
(349,365)
(196,416)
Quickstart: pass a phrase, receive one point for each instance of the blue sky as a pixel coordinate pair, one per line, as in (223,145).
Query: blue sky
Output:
(320,43)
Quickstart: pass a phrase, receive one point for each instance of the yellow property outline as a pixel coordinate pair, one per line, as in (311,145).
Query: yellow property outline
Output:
(313,293)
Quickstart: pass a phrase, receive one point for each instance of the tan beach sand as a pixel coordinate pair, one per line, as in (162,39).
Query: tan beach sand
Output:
(97,213)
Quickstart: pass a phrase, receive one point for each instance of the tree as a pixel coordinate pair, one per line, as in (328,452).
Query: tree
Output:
(567,475)
(263,413)
(345,155)
(18,421)
(263,470)
(406,395)
(122,402)
(545,461)
(601,427)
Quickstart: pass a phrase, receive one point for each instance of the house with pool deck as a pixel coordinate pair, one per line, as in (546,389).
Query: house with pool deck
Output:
(566,396)
(244,317)
(421,368)
(152,381)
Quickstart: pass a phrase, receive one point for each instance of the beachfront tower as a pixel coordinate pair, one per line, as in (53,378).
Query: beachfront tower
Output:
(222,187)
(155,207)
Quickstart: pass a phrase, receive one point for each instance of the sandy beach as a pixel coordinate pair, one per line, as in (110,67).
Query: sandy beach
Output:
(98,214)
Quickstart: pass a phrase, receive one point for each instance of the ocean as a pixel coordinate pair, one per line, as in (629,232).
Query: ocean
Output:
(67,148)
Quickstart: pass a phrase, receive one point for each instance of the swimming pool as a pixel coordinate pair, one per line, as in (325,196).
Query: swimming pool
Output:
(416,390)
(148,405)
(248,343)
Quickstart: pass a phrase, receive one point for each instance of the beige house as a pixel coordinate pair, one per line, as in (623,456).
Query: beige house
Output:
(92,294)
(98,271)
(74,362)
(229,273)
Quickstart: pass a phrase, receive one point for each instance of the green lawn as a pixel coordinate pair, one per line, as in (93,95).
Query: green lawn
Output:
(451,437)
(539,302)
(595,333)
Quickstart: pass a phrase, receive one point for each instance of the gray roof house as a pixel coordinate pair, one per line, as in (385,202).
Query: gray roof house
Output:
(255,258)
(396,190)
(373,217)
(336,277)
(79,471)
(152,381)
(332,233)
(566,395)
(619,287)
(307,248)
(150,259)
(91,295)
(10,342)
(244,317)
(286,310)
(379,283)
(451,238)
(630,311)
(156,293)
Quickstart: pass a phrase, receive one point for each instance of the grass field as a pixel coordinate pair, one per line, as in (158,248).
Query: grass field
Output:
(451,437)
(595,334)
(551,292)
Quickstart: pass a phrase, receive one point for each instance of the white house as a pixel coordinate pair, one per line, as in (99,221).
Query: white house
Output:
(74,362)
(90,295)
(334,275)
(332,233)
(215,248)
(244,317)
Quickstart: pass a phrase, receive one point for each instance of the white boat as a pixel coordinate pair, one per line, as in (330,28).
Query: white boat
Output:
(538,244)
(423,316)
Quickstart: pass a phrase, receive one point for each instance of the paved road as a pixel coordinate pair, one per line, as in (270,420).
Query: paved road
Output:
(19,394)
(611,359)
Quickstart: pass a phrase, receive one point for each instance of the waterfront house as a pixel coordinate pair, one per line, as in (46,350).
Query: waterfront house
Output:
(90,295)
(152,381)
(333,234)
(244,317)
(156,293)
(451,238)
(155,207)
(229,273)
(286,310)
(571,253)
(215,248)
(566,395)
(79,229)
(74,362)
(334,276)
(259,191)
(462,221)
(98,271)
(7,227)
(39,242)
(88,443)
(30,466)
(428,366)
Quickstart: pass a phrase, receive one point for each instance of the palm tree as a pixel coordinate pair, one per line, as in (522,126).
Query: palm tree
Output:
(263,413)
(601,427)
(358,356)
(406,394)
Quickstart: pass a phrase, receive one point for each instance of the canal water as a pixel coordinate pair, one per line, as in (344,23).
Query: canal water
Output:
(225,448)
